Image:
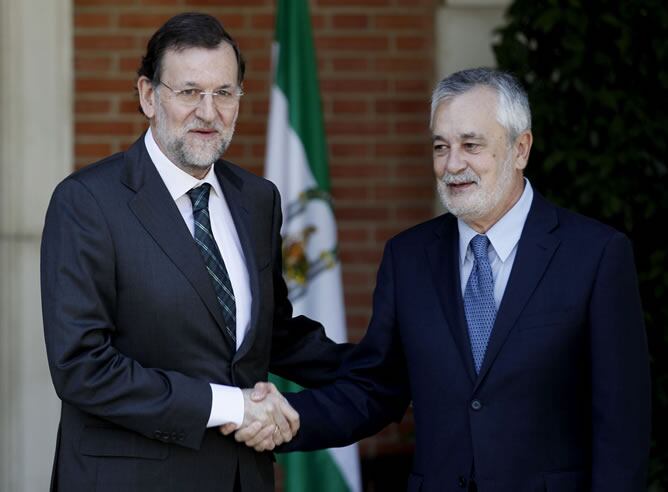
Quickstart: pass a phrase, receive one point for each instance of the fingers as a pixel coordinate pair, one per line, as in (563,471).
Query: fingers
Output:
(250,431)
(268,421)
(227,429)
(263,439)
(291,416)
(261,390)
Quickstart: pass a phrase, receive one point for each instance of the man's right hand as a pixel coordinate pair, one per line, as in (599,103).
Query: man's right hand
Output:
(269,420)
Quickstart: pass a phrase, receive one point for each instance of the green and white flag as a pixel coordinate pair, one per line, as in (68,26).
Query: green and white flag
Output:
(296,162)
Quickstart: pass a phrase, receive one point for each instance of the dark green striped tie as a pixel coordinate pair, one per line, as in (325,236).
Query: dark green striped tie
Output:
(212,258)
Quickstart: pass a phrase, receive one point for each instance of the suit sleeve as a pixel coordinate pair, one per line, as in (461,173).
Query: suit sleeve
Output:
(621,407)
(372,389)
(301,351)
(78,306)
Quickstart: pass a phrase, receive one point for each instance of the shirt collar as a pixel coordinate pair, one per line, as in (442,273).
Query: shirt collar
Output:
(505,234)
(177,181)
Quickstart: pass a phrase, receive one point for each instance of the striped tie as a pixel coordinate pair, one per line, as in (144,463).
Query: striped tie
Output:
(212,258)
(479,304)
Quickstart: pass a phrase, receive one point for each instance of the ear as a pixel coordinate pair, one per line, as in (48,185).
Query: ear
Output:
(521,148)
(148,98)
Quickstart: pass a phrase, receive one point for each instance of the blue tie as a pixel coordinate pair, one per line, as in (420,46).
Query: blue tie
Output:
(479,304)
(212,258)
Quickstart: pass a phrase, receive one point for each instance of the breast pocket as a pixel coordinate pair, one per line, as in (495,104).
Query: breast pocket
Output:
(547,319)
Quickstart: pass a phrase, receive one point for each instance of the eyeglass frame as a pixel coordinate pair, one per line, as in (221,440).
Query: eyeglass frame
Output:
(201,93)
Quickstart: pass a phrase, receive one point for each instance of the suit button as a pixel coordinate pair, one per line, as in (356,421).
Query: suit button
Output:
(476,405)
(461,481)
(157,434)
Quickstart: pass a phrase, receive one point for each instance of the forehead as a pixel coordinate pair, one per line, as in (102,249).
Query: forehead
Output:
(201,66)
(474,111)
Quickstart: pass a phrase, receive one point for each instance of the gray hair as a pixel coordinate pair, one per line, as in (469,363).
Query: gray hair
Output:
(512,112)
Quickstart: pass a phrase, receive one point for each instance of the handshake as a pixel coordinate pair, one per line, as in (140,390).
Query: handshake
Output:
(269,420)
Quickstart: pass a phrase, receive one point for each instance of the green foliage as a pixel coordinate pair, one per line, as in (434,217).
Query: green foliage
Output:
(597,76)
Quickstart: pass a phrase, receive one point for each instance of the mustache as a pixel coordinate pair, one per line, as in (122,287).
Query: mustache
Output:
(467,176)
(200,124)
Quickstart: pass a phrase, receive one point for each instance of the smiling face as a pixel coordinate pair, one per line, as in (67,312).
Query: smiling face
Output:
(478,172)
(192,137)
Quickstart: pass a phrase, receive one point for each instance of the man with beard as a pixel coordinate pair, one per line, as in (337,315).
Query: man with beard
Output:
(514,326)
(163,295)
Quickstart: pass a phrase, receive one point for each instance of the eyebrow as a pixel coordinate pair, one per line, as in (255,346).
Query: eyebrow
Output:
(471,136)
(197,86)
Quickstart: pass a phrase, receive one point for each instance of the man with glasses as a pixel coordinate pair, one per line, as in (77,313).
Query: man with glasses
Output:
(163,295)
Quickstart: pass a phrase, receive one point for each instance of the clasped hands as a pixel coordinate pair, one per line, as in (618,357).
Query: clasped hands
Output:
(269,420)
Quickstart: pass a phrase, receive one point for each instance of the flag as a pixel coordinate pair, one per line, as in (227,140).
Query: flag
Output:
(296,162)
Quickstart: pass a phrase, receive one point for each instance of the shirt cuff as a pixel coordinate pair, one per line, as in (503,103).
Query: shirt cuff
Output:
(227,405)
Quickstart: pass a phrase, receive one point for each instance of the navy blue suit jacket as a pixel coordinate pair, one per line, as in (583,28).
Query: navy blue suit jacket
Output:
(134,334)
(562,401)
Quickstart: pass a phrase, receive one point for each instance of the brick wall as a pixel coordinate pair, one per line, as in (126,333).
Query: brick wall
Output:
(375,61)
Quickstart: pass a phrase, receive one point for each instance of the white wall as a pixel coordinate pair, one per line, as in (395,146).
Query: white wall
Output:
(35,153)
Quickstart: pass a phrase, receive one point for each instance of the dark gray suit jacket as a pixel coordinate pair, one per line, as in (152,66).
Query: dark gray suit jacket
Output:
(134,334)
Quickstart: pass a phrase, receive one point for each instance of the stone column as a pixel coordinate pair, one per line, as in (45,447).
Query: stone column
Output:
(35,153)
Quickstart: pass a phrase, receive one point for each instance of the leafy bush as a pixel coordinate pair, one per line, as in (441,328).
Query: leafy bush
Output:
(597,76)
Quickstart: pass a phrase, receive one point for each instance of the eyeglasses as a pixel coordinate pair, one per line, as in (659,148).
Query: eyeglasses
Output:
(222,98)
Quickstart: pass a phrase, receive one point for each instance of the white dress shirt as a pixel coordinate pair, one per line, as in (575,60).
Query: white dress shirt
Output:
(503,238)
(227,401)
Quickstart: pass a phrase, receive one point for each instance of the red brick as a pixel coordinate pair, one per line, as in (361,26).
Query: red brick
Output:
(403,192)
(103,85)
(349,86)
(356,171)
(263,21)
(413,43)
(354,3)
(350,106)
(399,149)
(92,64)
(414,86)
(89,20)
(115,3)
(108,42)
(350,21)
(150,21)
(415,214)
(357,128)
(394,106)
(341,193)
(350,64)
(92,151)
(92,106)
(357,214)
(129,107)
(342,150)
(130,63)
(103,128)
(232,21)
(161,2)
(392,22)
(403,65)
(351,43)
(349,234)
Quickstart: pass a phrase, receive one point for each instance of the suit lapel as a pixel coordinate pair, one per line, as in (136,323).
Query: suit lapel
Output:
(534,252)
(443,255)
(240,209)
(156,211)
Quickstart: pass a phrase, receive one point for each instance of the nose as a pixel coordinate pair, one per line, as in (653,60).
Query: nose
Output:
(206,109)
(453,162)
